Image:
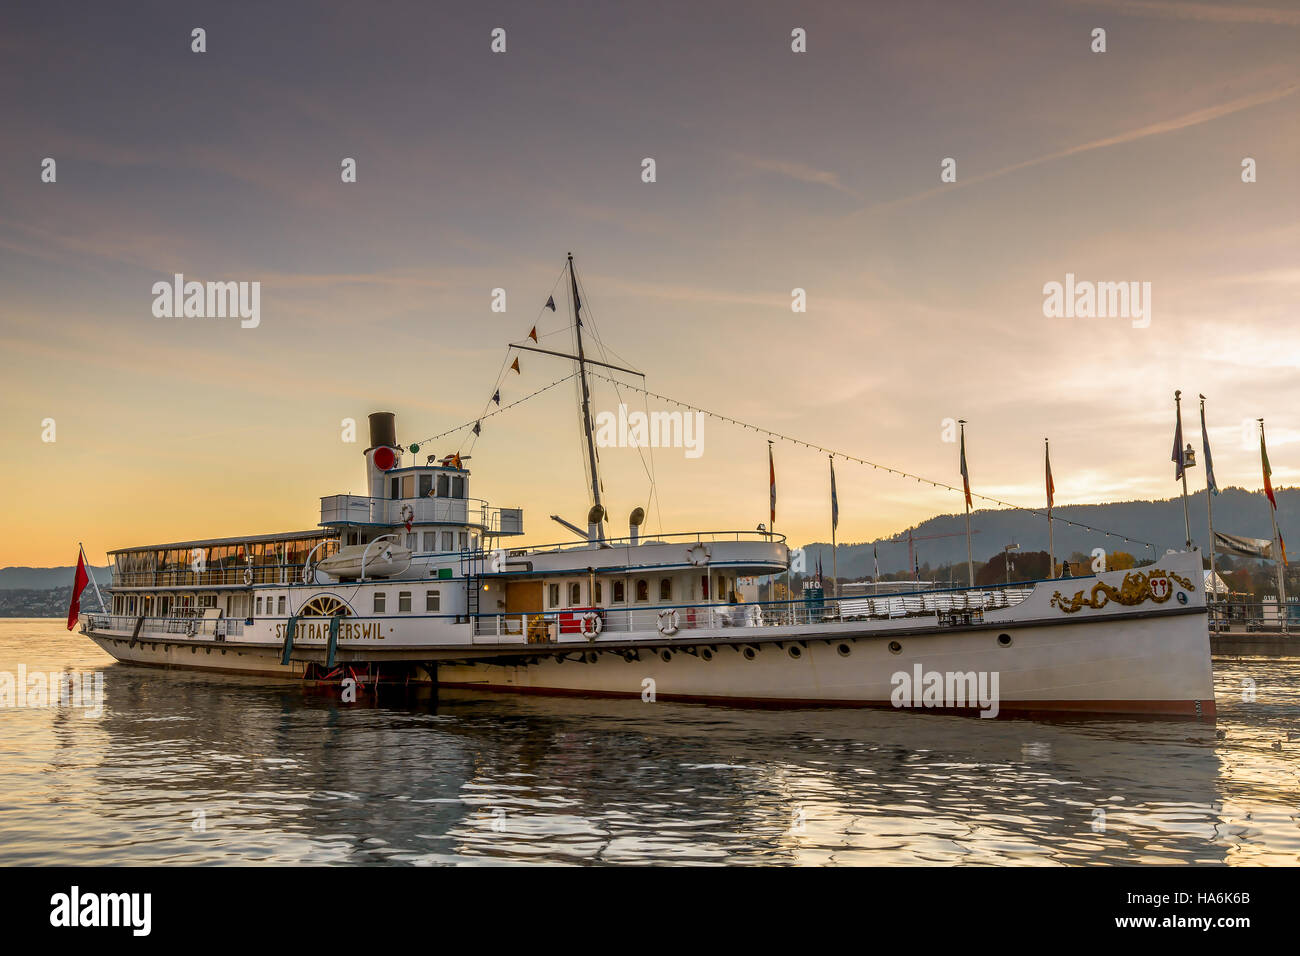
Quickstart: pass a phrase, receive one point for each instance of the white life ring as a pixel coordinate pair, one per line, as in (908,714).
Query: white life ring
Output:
(668,625)
(192,627)
(698,555)
(591,625)
(248,576)
(755,616)
(408,516)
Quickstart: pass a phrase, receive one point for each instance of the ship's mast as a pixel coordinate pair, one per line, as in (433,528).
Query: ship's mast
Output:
(586,401)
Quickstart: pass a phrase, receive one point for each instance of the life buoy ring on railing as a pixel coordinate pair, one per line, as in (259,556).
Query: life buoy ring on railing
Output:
(755,616)
(698,555)
(248,576)
(192,627)
(591,625)
(668,625)
(408,516)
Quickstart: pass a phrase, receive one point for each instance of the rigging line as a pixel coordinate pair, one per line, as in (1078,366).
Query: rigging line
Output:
(518,401)
(894,471)
(605,353)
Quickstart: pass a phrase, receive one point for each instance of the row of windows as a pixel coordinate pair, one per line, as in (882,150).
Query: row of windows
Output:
(432,603)
(448,486)
(618,591)
(451,541)
(261,554)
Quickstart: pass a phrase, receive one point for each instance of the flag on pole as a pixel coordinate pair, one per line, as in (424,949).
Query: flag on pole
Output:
(1177,457)
(550,304)
(835,501)
(79,581)
(1268,472)
(1051,485)
(515,365)
(965,475)
(1282,546)
(1209,462)
(771,470)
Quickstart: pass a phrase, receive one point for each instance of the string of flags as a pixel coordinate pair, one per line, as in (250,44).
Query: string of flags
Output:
(476,426)
(1127,539)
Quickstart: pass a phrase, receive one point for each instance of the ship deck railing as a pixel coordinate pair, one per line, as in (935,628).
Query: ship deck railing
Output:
(188,626)
(964,606)
(681,537)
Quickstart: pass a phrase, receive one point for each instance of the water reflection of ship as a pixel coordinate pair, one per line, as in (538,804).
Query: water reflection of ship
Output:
(825,786)
(509,778)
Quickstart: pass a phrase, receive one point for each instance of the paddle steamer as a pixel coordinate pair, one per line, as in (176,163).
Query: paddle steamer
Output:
(416,580)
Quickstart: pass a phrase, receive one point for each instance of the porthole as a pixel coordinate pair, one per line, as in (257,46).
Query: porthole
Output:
(844,650)
(666,656)
(749,653)
(1004,640)
(895,647)
(795,651)
(706,654)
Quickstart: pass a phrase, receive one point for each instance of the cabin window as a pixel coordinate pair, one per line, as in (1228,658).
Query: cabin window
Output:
(575,594)
(395,484)
(431,541)
(408,486)
(448,542)
(413,540)
(458,487)
(381,599)
(642,589)
(665,589)
(599,594)
(442,486)
(404,601)
(426,484)
(463,539)
(207,600)
(553,595)
(704,586)
(279,605)
(259,604)
(433,600)
(619,592)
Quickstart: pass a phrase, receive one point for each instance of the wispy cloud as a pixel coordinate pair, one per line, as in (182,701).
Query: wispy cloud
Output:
(1183,121)
(800,172)
(1205,12)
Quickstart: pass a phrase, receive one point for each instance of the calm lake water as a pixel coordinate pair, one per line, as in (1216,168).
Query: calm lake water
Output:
(193,768)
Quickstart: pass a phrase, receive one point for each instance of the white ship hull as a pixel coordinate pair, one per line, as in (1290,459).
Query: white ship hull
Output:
(1153,665)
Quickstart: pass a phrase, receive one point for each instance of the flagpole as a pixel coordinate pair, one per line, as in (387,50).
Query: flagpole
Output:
(835,520)
(1277,545)
(970,561)
(1181,459)
(90,573)
(1051,546)
(1213,590)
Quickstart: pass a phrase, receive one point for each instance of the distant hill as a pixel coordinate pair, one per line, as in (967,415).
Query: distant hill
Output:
(1236,511)
(40,579)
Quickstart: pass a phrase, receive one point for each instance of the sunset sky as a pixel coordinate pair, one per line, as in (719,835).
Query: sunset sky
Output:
(775,170)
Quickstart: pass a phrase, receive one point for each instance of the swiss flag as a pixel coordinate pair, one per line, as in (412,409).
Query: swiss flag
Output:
(79,583)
